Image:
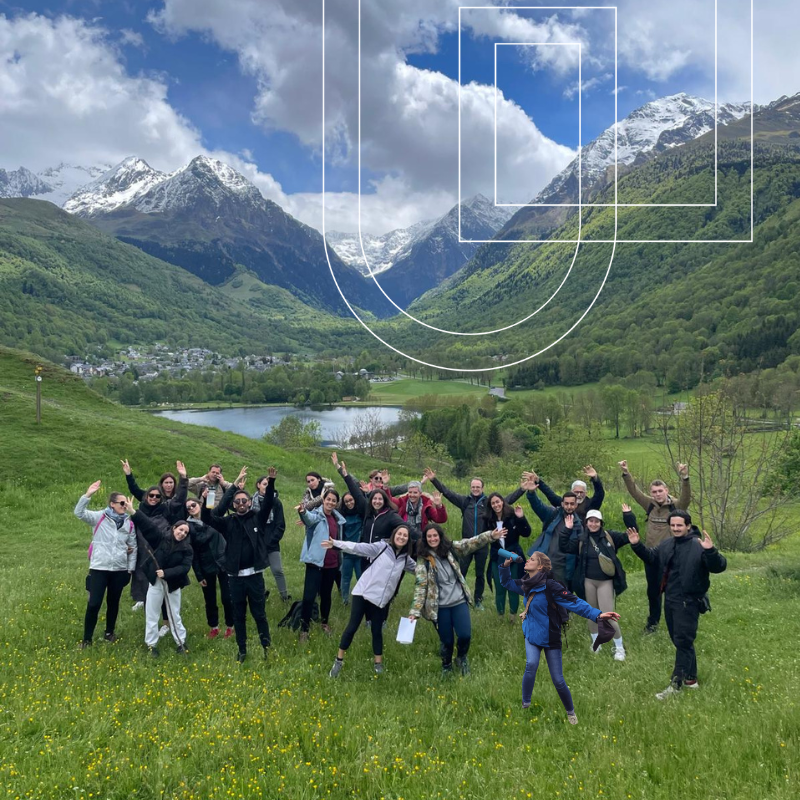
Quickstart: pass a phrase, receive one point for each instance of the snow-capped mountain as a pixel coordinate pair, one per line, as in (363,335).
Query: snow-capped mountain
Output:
(55,184)
(21,183)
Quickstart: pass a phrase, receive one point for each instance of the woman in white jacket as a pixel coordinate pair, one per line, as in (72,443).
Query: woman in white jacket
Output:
(112,559)
(376,587)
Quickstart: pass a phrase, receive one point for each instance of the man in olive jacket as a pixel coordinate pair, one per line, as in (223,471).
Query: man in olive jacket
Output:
(658,505)
(684,563)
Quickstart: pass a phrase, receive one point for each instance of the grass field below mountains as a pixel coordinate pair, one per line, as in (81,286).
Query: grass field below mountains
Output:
(113,723)
(397,392)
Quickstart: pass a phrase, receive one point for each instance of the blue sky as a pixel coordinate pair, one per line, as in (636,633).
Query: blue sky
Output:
(261,108)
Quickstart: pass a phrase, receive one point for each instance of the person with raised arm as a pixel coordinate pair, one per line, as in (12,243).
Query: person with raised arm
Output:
(214,482)
(684,563)
(441,594)
(277,527)
(112,560)
(247,539)
(585,503)
(542,622)
(473,523)
(375,588)
(658,506)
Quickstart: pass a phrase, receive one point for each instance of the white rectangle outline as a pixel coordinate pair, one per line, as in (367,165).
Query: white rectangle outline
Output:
(616,176)
(580,90)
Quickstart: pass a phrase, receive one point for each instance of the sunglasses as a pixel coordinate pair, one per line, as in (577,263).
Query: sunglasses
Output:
(377,479)
(117,502)
(154,494)
(241,502)
(191,504)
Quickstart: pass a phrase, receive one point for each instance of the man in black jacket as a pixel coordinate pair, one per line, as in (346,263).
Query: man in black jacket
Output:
(247,538)
(684,561)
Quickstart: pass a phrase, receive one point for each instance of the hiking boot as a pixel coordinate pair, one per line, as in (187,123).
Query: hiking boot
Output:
(213,633)
(84,644)
(336,668)
(228,633)
(326,629)
(671,690)
(650,628)
(463,664)
(572,718)
(240,657)
(153,650)
(619,654)
(182,650)
(287,599)
(691,684)
(303,638)
(447,670)
(163,631)
(111,637)
(137,606)
(378,667)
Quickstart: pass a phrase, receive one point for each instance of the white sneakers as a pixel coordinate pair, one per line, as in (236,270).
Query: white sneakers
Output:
(667,693)
(163,631)
(619,654)
(138,606)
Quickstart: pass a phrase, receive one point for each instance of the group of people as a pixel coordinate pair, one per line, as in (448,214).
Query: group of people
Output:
(373,533)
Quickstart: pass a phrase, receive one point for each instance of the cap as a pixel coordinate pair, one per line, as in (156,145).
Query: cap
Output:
(593,514)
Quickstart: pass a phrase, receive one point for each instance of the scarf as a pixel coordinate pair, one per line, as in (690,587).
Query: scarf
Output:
(527,584)
(119,519)
(414,514)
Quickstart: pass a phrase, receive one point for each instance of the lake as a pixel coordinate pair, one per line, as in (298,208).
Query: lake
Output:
(254,422)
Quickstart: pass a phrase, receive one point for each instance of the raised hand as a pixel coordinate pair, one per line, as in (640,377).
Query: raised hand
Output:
(129,509)
(343,470)
(507,562)
(569,521)
(623,465)
(126,467)
(386,480)
(93,488)
(272,472)
(683,470)
(589,471)
(625,508)
(437,499)
(335,460)
(705,541)
(428,474)
(364,487)
(518,512)
(633,536)
(241,478)
(181,469)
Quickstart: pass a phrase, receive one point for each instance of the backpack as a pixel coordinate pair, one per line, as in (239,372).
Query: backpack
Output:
(292,618)
(555,611)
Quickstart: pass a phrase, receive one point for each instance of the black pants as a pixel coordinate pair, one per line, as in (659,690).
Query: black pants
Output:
(654,575)
(210,596)
(250,590)
(358,610)
(319,581)
(480,557)
(99,583)
(682,618)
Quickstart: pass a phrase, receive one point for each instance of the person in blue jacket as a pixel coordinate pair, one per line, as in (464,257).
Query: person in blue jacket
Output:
(542,620)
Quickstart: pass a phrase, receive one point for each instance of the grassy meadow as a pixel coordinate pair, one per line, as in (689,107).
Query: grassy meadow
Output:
(397,392)
(111,722)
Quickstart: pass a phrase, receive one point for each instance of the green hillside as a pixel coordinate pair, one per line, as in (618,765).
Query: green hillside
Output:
(66,287)
(110,722)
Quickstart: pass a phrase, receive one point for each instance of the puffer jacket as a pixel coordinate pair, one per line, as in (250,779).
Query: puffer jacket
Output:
(317,532)
(172,509)
(276,522)
(173,557)
(208,545)
(110,545)
(378,583)
(426,589)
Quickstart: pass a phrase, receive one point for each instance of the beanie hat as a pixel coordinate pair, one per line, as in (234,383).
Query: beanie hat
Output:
(594,514)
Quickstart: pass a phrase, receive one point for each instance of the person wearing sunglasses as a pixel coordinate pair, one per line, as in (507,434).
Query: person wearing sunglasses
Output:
(112,559)
(208,564)
(247,537)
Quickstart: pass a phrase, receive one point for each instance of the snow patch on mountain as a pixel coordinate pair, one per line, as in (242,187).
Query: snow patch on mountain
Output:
(21,183)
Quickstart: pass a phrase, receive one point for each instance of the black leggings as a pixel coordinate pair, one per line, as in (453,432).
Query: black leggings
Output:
(99,583)
(358,610)
(319,581)
(210,596)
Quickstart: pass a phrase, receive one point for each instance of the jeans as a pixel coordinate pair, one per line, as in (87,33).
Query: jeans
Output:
(157,594)
(350,565)
(103,582)
(210,596)
(654,575)
(682,619)
(249,590)
(480,557)
(276,567)
(375,614)
(454,623)
(553,656)
(500,591)
(319,581)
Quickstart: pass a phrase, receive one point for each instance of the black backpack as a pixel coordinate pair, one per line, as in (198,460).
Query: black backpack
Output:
(292,618)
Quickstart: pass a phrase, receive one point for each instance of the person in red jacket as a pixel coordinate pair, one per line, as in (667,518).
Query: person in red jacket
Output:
(418,509)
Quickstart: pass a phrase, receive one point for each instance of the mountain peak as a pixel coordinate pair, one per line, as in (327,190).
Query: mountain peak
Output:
(21,182)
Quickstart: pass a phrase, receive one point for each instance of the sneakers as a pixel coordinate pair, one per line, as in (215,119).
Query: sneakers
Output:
(163,631)
(287,599)
(650,629)
(668,692)
(447,670)
(378,667)
(572,718)
(153,650)
(526,705)
(691,684)
(479,606)
(240,657)
(137,606)
(228,633)
(84,644)
(336,668)
(463,664)
(213,633)
(326,629)
(303,638)
(619,654)
(182,650)
(110,637)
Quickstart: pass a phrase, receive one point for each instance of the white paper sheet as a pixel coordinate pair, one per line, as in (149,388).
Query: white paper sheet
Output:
(405,631)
